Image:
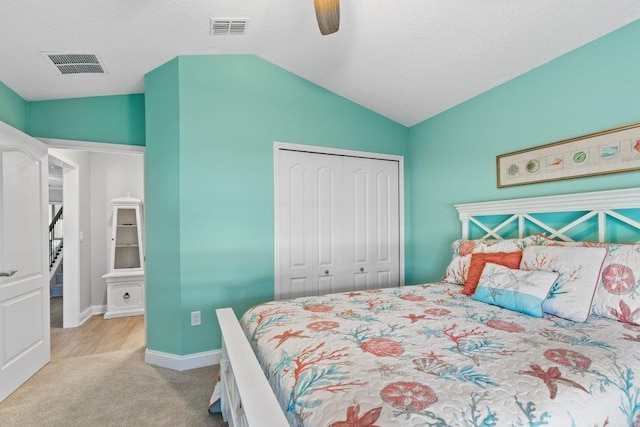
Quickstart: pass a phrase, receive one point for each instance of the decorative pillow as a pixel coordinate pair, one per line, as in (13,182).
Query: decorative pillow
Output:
(579,268)
(618,293)
(458,269)
(479,260)
(516,290)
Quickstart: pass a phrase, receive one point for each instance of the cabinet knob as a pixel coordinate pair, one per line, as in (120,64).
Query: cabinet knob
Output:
(361,268)
(326,272)
(126,296)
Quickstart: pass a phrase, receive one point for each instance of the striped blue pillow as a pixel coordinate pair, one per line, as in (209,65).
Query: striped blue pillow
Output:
(517,290)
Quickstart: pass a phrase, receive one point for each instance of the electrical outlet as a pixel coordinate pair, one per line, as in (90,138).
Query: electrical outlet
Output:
(195,318)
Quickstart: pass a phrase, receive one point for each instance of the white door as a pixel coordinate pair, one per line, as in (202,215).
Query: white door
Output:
(309,245)
(24,290)
(337,224)
(372,223)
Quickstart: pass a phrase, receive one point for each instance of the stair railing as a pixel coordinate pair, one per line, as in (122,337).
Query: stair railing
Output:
(55,237)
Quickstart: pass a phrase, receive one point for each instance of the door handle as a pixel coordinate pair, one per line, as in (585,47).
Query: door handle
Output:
(8,274)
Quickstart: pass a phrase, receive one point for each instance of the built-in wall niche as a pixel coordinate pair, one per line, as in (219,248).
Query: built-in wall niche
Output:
(127,249)
(125,280)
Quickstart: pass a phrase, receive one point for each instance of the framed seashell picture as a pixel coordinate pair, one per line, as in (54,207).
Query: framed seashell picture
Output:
(609,151)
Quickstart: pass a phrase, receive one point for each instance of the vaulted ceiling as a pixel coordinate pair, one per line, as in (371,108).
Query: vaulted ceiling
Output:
(407,60)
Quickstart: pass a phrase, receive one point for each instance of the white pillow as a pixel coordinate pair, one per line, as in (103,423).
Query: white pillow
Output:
(618,294)
(517,290)
(458,269)
(579,269)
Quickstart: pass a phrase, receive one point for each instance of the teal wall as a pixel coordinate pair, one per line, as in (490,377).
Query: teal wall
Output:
(231,110)
(13,109)
(162,210)
(115,119)
(452,156)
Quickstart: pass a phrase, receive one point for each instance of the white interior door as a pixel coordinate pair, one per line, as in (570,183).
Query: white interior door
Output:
(385,232)
(372,223)
(309,246)
(24,290)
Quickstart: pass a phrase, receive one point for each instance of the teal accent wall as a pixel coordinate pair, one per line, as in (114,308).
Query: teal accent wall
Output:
(231,109)
(13,109)
(452,156)
(112,119)
(162,210)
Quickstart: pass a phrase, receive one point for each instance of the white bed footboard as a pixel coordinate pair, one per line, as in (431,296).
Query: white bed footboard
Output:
(247,398)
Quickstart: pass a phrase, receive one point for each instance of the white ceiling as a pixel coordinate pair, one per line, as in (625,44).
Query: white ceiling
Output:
(407,60)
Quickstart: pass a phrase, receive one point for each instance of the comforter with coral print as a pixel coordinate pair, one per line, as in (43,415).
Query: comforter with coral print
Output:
(429,356)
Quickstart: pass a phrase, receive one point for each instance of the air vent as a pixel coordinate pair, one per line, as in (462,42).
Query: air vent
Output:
(75,63)
(228,26)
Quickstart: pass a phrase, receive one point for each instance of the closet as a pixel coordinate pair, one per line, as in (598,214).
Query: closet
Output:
(337,223)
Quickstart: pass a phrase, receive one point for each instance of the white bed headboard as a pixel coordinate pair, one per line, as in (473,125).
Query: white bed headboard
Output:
(598,208)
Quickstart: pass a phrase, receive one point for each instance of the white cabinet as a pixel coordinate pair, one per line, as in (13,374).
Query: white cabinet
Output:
(125,280)
(337,225)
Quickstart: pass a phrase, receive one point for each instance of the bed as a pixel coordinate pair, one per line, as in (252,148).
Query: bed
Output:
(429,355)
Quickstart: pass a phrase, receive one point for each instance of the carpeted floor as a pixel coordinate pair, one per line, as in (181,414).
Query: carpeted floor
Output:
(112,389)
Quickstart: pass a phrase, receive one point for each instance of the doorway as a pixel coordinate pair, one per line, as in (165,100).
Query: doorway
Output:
(93,174)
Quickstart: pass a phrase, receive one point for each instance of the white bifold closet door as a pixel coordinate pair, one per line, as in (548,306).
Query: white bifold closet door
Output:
(338,224)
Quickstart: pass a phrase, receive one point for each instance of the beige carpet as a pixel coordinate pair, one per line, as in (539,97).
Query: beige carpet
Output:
(112,389)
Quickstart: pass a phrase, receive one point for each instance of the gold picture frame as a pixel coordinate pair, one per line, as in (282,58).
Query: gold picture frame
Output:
(610,151)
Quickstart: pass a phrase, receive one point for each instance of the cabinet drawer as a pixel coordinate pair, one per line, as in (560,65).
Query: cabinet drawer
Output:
(125,298)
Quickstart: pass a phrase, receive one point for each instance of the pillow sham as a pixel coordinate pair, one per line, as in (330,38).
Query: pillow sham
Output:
(458,269)
(517,290)
(479,260)
(579,269)
(618,293)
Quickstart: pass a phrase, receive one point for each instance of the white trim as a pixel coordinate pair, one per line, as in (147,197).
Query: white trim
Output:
(100,147)
(182,363)
(98,309)
(335,151)
(85,315)
(71,316)
(278,146)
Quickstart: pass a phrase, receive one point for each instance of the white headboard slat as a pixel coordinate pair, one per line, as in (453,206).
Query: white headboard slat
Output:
(600,203)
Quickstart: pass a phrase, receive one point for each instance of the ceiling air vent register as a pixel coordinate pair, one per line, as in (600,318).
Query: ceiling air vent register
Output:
(76,63)
(221,26)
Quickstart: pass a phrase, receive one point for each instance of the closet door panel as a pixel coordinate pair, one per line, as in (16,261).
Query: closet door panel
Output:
(295,237)
(358,216)
(359,203)
(386,230)
(326,204)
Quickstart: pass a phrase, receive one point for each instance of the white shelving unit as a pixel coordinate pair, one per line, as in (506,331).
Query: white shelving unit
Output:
(125,280)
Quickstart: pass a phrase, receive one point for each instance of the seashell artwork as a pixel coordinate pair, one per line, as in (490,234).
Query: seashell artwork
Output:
(608,152)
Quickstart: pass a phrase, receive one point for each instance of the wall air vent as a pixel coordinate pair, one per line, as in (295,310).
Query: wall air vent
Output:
(75,63)
(236,26)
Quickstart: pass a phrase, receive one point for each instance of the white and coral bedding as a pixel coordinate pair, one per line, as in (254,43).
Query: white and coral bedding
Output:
(427,355)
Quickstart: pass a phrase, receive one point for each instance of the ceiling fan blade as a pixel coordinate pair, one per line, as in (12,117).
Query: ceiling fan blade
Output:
(328,15)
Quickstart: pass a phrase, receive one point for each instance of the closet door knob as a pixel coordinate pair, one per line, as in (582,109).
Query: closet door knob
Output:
(8,273)
(361,268)
(326,272)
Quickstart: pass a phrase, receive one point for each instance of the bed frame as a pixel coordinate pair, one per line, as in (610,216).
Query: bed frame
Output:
(247,398)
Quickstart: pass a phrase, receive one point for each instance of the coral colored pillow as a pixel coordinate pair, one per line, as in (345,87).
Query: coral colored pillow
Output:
(479,260)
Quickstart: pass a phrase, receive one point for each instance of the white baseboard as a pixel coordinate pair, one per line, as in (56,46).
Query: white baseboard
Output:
(91,311)
(98,309)
(182,363)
